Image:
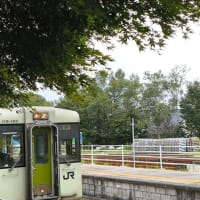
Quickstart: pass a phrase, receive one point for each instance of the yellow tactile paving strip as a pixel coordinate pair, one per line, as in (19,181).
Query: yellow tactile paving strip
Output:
(128,175)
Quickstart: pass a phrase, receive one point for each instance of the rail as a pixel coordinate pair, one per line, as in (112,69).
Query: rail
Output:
(159,157)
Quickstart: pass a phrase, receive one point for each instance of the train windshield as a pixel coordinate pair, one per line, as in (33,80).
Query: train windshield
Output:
(69,145)
(11,145)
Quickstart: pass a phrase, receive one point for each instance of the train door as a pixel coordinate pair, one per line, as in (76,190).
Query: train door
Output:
(43,156)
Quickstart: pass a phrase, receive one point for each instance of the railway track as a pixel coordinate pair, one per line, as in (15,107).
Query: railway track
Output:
(173,162)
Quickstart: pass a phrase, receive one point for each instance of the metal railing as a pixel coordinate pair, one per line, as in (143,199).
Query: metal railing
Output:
(159,157)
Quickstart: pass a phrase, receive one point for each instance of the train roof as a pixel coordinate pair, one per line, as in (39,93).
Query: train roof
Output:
(25,115)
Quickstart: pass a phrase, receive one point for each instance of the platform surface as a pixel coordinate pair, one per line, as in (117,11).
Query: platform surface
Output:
(169,177)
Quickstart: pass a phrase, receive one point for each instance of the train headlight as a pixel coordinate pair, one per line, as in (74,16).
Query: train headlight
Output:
(40,116)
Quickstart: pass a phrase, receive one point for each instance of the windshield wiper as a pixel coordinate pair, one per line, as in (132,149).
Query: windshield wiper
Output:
(15,163)
(67,161)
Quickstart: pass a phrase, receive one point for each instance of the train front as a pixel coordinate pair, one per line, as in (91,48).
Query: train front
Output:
(53,152)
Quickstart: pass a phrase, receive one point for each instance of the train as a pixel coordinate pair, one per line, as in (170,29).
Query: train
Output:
(40,154)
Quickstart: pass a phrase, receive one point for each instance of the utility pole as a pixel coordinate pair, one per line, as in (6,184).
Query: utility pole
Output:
(133,141)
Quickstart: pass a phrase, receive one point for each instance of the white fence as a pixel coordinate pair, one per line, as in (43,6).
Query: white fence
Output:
(179,157)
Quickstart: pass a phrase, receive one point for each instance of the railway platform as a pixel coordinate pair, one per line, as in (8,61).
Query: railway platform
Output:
(125,183)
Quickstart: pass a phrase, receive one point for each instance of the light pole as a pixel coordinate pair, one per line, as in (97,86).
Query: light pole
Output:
(133,141)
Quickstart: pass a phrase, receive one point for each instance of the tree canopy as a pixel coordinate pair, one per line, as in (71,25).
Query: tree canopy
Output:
(106,117)
(38,100)
(190,108)
(53,42)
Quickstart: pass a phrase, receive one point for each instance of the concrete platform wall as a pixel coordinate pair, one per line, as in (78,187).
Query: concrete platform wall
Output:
(113,189)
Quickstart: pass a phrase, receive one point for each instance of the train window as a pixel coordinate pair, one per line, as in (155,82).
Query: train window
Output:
(41,148)
(68,147)
(11,146)
(69,144)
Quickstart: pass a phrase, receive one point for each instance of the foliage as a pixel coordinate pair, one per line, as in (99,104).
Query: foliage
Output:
(53,42)
(190,108)
(179,131)
(153,101)
(11,94)
(176,79)
(37,100)
(106,116)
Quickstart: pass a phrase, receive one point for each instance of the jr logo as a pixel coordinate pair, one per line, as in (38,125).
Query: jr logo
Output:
(68,175)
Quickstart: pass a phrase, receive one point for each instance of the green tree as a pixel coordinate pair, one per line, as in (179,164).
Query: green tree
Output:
(106,116)
(53,42)
(82,102)
(38,100)
(154,103)
(160,101)
(176,83)
(190,108)
(116,87)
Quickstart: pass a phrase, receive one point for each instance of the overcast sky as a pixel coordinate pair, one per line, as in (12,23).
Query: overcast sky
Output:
(177,52)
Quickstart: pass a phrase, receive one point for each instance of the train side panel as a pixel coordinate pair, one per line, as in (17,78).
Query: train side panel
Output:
(13,184)
(70,181)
